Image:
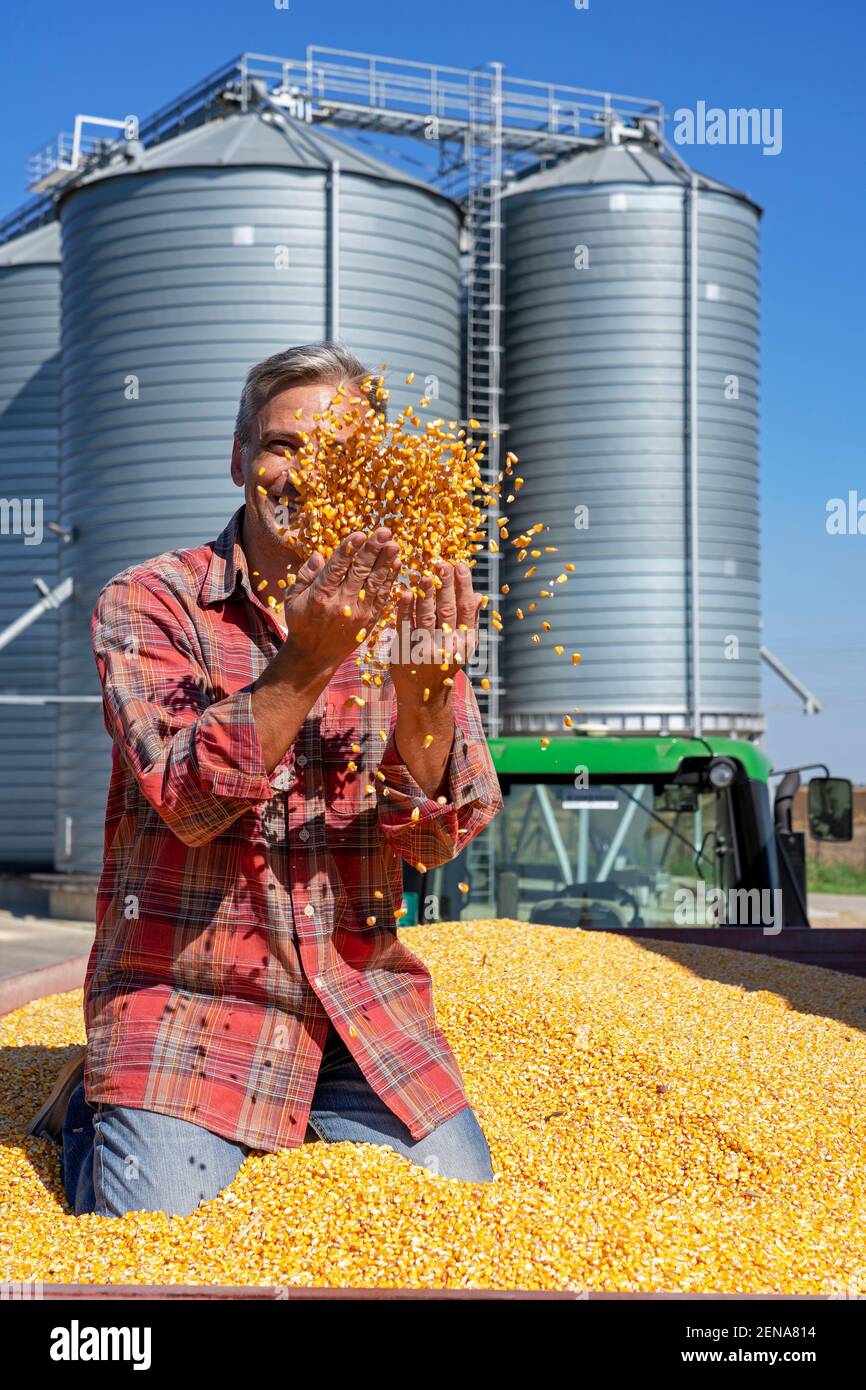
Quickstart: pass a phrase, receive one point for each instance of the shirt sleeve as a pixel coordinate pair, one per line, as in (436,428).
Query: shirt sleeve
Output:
(198,762)
(474,798)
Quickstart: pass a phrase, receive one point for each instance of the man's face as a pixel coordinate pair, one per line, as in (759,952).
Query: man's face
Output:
(263,463)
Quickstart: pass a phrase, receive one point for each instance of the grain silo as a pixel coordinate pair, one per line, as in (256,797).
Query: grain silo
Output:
(29,463)
(606,300)
(183,264)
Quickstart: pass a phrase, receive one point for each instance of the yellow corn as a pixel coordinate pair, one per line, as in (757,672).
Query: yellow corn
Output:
(660,1118)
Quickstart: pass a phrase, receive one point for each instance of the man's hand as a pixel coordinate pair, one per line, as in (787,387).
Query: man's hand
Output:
(443,624)
(324,613)
(332,601)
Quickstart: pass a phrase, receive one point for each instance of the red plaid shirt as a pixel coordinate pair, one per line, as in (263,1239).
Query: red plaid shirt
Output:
(231,914)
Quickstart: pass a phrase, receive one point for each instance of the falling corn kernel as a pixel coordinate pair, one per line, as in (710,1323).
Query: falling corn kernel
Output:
(485,683)
(426,695)
(427,740)
(433,488)
(262,585)
(262,490)
(464,887)
(410,378)
(568,721)
(360,634)
(347,610)
(415,813)
(575,658)
(422,868)
(351,766)
(559,650)
(362,594)
(545,742)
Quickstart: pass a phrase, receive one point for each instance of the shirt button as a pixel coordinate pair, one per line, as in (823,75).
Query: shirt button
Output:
(303,834)
(301,760)
(309,910)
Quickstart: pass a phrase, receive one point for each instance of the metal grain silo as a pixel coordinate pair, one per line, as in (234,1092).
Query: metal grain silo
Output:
(29,464)
(631,315)
(185,263)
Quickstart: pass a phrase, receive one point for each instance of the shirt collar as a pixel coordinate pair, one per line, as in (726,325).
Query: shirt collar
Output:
(227,565)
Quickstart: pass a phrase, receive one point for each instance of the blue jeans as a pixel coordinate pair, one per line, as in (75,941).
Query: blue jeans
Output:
(116,1159)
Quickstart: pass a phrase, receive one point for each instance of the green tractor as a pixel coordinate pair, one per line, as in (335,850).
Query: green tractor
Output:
(627,833)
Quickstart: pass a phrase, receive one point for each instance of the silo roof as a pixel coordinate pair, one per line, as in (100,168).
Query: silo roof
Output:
(244,139)
(39,246)
(628,162)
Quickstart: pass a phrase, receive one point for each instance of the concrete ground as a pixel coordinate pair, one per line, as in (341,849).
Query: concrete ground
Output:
(837,909)
(27,942)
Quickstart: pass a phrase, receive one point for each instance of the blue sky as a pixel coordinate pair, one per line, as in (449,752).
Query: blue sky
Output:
(802,57)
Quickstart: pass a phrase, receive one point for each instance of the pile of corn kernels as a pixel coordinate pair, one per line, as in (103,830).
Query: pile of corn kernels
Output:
(661,1117)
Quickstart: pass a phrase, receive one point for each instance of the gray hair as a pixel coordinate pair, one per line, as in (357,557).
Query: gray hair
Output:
(299,366)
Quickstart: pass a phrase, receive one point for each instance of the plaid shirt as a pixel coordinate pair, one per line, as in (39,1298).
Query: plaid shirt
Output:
(232,907)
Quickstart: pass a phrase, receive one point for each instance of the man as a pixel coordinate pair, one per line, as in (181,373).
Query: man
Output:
(246,987)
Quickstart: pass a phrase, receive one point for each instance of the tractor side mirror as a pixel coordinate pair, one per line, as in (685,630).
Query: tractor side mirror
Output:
(831,808)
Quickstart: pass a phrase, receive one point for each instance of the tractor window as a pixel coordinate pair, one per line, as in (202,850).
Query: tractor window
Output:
(620,854)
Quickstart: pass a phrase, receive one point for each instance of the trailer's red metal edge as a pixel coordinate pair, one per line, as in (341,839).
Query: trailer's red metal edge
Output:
(832,948)
(24,988)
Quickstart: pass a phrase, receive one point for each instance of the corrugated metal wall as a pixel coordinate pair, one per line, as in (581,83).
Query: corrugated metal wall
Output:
(596,398)
(165,301)
(29,421)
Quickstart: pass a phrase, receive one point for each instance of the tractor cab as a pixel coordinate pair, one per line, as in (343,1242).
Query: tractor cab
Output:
(631,832)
